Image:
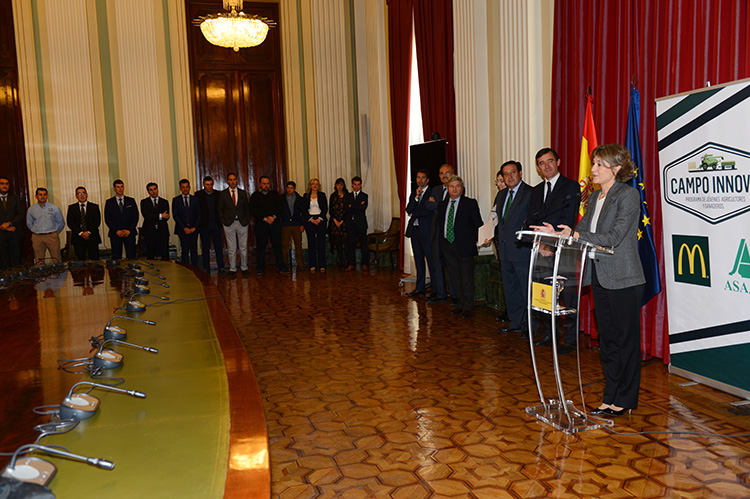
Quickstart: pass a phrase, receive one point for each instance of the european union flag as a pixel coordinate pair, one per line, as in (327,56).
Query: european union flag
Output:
(645,235)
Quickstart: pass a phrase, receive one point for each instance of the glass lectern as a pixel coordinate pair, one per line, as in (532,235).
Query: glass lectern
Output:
(555,280)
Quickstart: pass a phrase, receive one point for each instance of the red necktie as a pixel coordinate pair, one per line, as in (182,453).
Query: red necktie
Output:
(234,198)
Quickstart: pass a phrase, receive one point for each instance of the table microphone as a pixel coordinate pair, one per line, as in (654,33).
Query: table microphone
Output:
(134,305)
(141,288)
(144,281)
(109,359)
(119,333)
(36,470)
(83,405)
(144,262)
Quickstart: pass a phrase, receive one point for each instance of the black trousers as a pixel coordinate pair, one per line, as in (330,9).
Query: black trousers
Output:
(354,235)
(619,321)
(264,232)
(86,250)
(460,274)
(118,242)
(422,247)
(189,246)
(156,242)
(10,249)
(212,233)
(515,289)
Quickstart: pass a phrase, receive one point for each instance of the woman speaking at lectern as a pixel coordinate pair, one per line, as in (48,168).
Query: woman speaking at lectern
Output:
(611,220)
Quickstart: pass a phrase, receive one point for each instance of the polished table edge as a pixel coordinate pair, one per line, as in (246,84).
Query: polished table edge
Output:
(248,434)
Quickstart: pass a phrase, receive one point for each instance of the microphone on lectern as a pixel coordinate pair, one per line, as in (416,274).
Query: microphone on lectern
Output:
(39,471)
(120,333)
(83,405)
(109,359)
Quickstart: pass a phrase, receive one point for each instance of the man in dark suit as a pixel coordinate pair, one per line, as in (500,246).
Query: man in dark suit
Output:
(84,219)
(210,227)
(155,211)
(439,280)
(458,222)
(356,226)
(187,220)
(512,208)
(121,217)
(234,215)
(12,216)
(555,201)
(265,207)
(419,230)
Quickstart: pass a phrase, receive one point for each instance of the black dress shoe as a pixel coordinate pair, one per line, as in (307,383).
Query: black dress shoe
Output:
(437,299)
(565,349)
(466,314)
(543,342)
(599,411)
(456,311)
(415,293)
(504,330)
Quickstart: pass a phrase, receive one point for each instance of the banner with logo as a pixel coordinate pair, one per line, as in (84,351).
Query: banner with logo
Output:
(704,155)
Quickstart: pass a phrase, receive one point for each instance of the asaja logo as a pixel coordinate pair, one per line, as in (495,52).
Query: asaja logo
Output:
(741,268)
(711,182)
(692,263)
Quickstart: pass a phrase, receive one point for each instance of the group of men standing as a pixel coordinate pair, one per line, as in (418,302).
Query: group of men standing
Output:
(444,227)
(444,233)
(209,214)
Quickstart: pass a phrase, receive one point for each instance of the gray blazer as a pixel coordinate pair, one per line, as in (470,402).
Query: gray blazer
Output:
(617,228)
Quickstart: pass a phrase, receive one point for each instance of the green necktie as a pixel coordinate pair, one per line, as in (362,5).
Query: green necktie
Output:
(449,235)
(507,205)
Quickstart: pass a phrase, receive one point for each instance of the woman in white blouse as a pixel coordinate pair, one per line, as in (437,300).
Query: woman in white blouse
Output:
(315,225)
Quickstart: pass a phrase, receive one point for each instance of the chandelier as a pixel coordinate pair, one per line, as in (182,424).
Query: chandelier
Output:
(234,29)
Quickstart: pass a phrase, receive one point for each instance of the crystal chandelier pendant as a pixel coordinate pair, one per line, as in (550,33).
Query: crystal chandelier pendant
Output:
(234,29)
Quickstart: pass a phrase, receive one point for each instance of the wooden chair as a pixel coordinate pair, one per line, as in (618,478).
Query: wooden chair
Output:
(386,242)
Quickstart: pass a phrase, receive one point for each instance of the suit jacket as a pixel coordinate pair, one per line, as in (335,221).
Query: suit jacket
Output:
(125,220)
(186,218)
(322,203)
(419,211)
(295,217)
(466,223)
(617,227)
(356,211)
(203,199)
(508,246)
(14,213)
(562,206)
(93,221)
(436,193)
(227,211)
(151,215)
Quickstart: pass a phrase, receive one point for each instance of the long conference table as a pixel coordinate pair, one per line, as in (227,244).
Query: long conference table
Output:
(200,432)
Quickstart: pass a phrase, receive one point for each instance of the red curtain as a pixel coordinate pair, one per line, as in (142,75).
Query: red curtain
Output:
(665,47)
(433,28)
(399,45)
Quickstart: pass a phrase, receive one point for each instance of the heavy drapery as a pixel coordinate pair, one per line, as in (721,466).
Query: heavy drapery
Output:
(663,46)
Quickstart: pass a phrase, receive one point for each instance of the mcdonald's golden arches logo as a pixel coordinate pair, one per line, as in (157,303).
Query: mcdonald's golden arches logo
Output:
(692,261)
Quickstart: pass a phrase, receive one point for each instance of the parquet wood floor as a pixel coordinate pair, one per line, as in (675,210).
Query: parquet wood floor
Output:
(368,393)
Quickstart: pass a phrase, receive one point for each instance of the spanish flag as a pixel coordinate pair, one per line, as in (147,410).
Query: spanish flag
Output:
(588,144)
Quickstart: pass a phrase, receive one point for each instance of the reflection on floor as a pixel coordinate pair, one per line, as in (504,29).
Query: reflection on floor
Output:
(368,393)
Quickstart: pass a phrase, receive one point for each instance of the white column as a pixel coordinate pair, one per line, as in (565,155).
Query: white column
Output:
(472,99)
(332,82)
(374,116)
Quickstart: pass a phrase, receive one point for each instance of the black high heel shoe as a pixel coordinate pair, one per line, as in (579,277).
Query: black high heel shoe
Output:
(611,412)
(599,411)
